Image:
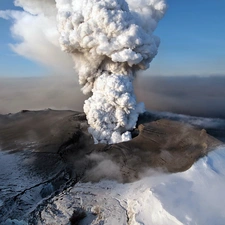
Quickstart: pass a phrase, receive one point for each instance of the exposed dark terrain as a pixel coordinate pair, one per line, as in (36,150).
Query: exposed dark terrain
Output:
(52,150)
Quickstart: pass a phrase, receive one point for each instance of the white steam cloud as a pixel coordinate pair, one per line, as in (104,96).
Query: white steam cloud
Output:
(36,34)
(109,40)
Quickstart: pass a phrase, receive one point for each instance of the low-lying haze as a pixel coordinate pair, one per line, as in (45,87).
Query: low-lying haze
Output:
(197,96)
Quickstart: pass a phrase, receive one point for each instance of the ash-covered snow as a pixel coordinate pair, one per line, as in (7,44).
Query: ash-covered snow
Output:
(192,197)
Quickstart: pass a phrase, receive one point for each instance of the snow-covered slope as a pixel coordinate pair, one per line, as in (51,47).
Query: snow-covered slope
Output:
(192,197)
(37,187)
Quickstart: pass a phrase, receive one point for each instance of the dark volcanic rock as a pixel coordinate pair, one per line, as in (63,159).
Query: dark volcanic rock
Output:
(170,145)
(30,166)
(45,130)
(163,144)
(53,150)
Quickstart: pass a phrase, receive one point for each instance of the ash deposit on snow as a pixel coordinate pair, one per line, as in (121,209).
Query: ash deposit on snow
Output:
(110,40)
(45,166)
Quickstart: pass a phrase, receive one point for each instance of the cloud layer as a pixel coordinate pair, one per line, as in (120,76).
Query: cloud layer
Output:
(197,96)
(187,95)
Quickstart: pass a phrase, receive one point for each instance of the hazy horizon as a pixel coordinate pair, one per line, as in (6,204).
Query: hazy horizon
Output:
(190,95)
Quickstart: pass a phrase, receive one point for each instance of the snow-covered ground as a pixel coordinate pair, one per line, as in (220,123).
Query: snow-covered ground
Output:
(192,197)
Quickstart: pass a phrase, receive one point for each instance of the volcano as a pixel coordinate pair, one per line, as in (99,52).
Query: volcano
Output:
(44,153)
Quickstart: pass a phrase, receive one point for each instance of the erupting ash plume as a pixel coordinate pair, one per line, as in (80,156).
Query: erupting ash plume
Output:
(110,40)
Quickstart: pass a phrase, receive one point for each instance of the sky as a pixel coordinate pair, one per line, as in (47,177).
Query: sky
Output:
(12,64)
(192,38)
(192,42)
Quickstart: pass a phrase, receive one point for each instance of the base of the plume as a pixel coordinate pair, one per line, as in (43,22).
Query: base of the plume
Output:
(116,137)
(112,110)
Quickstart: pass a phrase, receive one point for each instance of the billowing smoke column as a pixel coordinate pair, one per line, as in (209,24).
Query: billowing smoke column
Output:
(109,41)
